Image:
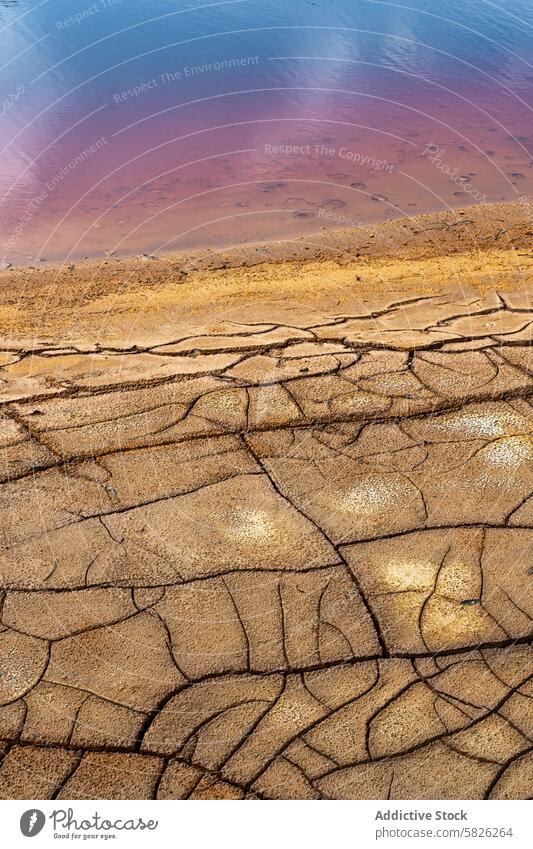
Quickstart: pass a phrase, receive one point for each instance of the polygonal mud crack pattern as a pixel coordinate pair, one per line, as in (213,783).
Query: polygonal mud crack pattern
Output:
(279,563)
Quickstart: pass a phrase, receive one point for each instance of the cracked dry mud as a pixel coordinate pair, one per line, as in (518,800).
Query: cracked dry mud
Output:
(271,559)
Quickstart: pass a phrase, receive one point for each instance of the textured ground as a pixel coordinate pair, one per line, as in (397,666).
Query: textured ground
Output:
(285,559)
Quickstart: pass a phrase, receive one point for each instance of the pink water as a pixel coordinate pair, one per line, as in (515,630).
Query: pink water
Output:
(318,114)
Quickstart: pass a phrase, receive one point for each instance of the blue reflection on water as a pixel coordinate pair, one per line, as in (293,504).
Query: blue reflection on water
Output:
(73,72)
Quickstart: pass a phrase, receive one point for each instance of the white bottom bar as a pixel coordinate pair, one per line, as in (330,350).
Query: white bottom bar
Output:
(268,825)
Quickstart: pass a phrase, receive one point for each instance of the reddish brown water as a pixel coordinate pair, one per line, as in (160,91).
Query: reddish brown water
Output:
(131,128)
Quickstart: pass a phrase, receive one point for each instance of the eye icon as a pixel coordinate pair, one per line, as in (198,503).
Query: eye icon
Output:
(32,822)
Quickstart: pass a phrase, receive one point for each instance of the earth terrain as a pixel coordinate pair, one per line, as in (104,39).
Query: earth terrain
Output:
(267,519)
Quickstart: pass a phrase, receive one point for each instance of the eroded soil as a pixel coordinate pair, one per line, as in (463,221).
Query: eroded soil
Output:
(274,559)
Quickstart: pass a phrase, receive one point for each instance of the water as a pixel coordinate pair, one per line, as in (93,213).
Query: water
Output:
(151,126)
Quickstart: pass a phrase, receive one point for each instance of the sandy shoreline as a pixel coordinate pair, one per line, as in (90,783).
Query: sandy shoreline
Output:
(485,247)
(266,524)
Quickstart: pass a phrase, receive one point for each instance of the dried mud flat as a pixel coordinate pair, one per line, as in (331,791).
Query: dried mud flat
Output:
(266,520)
